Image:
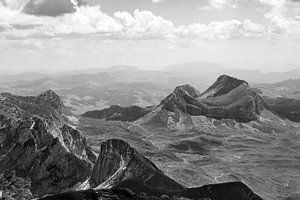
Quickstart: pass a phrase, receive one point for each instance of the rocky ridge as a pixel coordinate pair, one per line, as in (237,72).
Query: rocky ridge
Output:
(118,113)
(227,98)
(37,144)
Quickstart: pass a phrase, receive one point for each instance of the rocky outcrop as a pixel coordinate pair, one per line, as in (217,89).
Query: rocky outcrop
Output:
(47,105)
(117,161)
(36,144)
(227,98)
(118,113)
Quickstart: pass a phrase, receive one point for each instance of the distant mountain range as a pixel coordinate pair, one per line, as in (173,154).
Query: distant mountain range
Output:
(96,89)
(209,71)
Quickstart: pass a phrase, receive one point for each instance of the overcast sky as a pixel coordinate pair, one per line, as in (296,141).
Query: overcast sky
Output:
(75,34)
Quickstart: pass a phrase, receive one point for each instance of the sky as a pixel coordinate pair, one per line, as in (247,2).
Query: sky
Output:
(59,35)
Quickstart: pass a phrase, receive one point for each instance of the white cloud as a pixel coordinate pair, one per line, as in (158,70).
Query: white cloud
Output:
(219,4)
(140,25)
(157,1)
(144,24)
(231,29)
(280,22)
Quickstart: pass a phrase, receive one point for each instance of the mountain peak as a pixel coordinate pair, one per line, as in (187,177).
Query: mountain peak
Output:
(188,89)
(223,85)
(227,98)
(49,96)
(118,161)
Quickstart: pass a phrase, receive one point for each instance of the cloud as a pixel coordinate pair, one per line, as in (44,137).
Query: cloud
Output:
(144,24)
(219,4)
(231,29)
(280,22)
(157,1)
(44,7)
(140,25)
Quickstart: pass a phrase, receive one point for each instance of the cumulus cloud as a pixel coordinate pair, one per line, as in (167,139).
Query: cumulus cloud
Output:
(144,24)
(137,25)
(280,22)
(231,29)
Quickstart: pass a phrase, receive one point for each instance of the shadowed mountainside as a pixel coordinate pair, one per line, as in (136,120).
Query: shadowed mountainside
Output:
(118,113)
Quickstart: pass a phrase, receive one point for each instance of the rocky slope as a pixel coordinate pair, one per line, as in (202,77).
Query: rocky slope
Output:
(227,101)
(283,98)
(118,161)
(38,145)
(227,98)
(118,113)
(120,168)
(285,108)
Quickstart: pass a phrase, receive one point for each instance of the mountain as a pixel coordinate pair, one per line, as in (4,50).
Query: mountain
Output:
(121,168)
(82,92)
(227,98)
(194,148)
(285,108)
(159,153)
(287,89)
(97,89)
(206,71)
(37,143)
(118,161)
(283,98)
(118,113)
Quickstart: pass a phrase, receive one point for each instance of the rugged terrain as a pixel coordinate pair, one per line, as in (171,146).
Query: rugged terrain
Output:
(195,148)
(37,144)
(44,155)
(226,134)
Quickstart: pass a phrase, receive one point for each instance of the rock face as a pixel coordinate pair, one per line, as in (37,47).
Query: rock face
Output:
(227,98)
(118,113)
(36,144)
(13,187)
(118,161)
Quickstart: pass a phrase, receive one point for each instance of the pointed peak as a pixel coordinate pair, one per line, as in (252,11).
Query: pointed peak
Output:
(117,158)
(48,93)
(226,78)
(51,97)
(190,90)
(223,85)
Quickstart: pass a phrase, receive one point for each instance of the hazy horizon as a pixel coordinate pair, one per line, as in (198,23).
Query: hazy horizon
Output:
(166,68)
